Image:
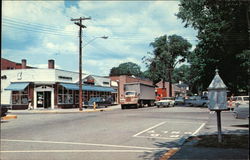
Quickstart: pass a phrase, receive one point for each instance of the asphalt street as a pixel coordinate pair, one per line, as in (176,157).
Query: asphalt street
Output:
(144,133)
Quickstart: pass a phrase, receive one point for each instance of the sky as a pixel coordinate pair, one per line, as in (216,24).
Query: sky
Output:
(41,30)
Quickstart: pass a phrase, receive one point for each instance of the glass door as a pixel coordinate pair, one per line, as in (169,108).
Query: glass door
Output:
(40,100)
(44,99)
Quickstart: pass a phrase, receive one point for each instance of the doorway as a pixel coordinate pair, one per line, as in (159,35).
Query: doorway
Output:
(44,99)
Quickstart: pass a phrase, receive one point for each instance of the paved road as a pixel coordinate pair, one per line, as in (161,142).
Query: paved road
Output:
(144,133)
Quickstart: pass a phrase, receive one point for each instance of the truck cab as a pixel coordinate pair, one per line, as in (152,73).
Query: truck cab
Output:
(131,97)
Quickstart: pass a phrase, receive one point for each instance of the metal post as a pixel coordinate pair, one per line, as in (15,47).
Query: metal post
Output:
(219,126)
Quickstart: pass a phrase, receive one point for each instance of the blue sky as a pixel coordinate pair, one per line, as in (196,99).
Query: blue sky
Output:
(41,30)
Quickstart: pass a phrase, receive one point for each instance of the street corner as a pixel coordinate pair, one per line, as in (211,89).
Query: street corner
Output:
(8,117)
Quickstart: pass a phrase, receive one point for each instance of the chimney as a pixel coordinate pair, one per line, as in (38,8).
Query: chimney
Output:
(51,64)
(23,63)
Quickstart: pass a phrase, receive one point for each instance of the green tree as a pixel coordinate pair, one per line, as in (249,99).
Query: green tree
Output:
(223,41)
(182,74)
(128,68)
(168,51)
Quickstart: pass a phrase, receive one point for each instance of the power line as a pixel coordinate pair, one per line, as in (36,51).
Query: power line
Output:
(32,30)
(37,28)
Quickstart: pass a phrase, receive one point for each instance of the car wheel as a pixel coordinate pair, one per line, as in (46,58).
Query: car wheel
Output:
(158,106)
(123,107)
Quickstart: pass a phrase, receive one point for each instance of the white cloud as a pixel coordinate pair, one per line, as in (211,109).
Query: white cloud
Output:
(131,26)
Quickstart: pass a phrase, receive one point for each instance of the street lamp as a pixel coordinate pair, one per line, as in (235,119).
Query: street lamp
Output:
(80,70)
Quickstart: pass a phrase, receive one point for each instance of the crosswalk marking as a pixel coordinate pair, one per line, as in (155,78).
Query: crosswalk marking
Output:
(175,132)
(174,136)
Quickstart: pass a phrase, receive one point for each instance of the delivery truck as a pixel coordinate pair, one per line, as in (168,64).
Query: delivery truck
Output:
(138,95)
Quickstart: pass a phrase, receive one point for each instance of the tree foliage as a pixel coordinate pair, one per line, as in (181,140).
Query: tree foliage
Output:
(167,52)
(128,68)
(223,41)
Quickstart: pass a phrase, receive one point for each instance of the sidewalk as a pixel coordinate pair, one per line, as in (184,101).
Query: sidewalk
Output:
(62,111)
(189,151)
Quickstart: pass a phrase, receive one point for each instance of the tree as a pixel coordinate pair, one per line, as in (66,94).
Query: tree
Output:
(128,68)
(182,74)
(223,33)
(168,51)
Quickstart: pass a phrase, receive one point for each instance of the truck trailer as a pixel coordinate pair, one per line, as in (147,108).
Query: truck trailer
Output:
(138,95)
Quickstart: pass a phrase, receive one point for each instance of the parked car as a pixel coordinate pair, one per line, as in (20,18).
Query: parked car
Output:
(4,109)
(197,101)
(99,101)
(179,100)
(241,111)
(241,100)
(166,102)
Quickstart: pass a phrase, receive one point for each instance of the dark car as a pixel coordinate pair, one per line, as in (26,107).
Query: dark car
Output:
(99,101)
(4,109)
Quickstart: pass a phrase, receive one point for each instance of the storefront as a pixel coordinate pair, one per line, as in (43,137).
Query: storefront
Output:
(51,88)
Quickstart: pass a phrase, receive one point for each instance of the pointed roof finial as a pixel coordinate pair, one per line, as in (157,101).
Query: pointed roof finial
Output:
(216,71)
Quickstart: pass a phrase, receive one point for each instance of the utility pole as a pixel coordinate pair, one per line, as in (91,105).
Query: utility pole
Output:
(79,23)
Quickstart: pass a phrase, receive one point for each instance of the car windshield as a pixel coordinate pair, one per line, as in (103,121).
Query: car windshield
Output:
(130,93)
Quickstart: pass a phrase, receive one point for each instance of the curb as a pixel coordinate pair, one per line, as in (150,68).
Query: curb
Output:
(64,112)
(7,117)
(169,154)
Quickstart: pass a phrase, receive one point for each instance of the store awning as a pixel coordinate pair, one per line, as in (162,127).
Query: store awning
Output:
(98,88)
(18,86)
(70,86)
(87,88)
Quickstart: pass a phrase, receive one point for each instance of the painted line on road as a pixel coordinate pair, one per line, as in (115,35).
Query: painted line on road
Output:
(212,126)
(202,125)
(157,138)
(76,143)
(149,129)
(8,117)
(77,151)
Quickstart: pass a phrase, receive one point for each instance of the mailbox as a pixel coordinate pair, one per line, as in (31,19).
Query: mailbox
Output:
(217,94)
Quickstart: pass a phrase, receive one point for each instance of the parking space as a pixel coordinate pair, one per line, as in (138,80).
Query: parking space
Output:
(170,130)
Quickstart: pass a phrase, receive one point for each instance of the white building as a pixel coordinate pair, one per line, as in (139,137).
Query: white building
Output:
(50,88)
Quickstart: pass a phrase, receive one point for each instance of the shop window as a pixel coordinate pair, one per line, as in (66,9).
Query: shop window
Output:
(65,96)
(20,97)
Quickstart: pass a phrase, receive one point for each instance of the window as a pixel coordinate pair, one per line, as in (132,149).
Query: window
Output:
(65,96)
(84,97)
(105,83)
(20,97)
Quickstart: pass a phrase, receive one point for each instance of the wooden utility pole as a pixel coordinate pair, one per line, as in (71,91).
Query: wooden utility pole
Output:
(79,23)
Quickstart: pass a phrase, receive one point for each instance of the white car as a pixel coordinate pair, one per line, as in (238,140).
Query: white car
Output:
(166,102)
(241,100)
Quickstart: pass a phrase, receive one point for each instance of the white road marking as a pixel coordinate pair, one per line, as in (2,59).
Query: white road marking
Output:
(202,125)
(165,131)
(149,129)
(212,112)
(155,135)
(157,138)
(174,136)
(76,143)
(187,132)
(76,151)
(175,132)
